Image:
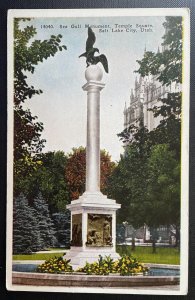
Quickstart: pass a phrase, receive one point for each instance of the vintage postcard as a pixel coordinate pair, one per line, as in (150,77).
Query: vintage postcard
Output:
(98,151)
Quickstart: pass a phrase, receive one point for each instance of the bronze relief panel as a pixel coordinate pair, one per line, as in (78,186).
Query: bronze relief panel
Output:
(99,230)
(76,230)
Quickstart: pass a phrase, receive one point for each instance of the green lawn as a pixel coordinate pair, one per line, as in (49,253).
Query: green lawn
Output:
(36,256)
(53,249)
(145,255)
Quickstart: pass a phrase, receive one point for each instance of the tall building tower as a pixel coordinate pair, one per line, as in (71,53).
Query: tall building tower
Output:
(146,94)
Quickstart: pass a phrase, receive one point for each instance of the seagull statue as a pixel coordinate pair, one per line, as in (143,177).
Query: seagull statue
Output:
(90,51)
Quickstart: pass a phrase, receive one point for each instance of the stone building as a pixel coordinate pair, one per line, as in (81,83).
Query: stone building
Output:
(146,94)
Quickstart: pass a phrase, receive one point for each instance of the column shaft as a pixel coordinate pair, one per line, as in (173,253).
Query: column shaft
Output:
(93,140)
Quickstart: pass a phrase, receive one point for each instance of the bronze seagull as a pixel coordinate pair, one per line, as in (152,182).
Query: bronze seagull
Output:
(90,51)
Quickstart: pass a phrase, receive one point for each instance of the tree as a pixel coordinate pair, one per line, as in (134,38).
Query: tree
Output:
(128,183)
(76,169)
(62,228)
(147,184)
(28,53)
(26,234)
(162,205)
(167,65)
(168,131)
(49,180)
(45,223)
(75,172)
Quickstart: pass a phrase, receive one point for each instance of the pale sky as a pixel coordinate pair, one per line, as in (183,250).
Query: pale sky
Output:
(62,106)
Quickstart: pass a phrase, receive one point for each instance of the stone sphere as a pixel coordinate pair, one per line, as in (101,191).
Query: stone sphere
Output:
(93,72)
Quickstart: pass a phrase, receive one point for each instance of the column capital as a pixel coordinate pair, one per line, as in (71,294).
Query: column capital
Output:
(92,84)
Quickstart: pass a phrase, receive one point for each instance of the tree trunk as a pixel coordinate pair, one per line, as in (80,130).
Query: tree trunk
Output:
(133,244)
(177,236)
(153,246)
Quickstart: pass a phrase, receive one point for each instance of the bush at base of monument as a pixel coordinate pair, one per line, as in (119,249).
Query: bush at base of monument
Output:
(55,265)
(126,265)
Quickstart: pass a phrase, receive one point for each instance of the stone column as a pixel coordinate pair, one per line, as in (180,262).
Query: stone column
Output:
(93,87)
(92,202)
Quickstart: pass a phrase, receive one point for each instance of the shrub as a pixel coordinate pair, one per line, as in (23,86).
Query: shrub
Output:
(126,265)
(55,265)
(103,266)
(129,265)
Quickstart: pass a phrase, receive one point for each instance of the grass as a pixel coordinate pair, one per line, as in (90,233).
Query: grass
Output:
(145,255)
(56,249)
(36,256)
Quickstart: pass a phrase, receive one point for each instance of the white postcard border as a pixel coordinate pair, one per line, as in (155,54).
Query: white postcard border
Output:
(185,142)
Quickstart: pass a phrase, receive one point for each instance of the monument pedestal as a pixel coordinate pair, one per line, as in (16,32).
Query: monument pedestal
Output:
(93,228)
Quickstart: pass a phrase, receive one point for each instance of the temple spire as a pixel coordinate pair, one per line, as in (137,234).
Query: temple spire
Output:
(131,96)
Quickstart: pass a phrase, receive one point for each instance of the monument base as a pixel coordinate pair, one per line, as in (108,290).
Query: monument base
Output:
(80,256)
(93,229)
